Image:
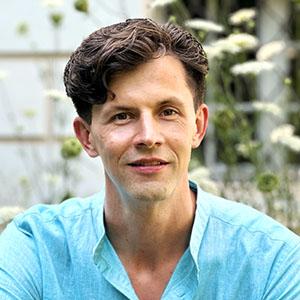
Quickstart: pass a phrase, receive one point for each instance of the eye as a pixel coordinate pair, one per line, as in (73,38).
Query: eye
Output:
(121,117)
(169,112)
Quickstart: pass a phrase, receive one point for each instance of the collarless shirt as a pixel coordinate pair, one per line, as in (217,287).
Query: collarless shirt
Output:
(62,252)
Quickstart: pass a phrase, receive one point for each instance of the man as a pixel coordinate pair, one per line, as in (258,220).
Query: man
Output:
(138,89)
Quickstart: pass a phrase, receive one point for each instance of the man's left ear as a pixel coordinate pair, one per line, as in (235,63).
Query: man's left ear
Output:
(201,125)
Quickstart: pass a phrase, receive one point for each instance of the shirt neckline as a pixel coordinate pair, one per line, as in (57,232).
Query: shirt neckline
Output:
(198,229)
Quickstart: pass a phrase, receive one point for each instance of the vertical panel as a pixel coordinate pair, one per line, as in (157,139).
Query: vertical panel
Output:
(273,19)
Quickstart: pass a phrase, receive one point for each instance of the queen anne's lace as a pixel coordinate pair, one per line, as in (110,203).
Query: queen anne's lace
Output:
(269,50)
(204,25)
(284,135)
(161,3)
(242,16)
(252,67)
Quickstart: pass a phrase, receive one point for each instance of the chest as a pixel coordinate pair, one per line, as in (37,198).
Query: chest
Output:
(74,275)
(154,281)
(88,281)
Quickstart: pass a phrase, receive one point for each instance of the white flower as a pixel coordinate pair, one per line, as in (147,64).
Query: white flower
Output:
(268,107)
(224,45)
(204,25)
(243,40)
(233,44)
(242,16)
(213,52)
(56,95)
(269,50)
(292,142)
(3,75)
(52,3)
(252,67)
(285,130)
(161,3)
(246,149)
(242,148)
(284,135)
(7,213)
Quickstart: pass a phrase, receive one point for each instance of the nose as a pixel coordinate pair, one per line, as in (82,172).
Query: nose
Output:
(148,132)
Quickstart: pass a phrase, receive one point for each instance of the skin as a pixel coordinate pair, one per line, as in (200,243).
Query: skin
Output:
(144,137)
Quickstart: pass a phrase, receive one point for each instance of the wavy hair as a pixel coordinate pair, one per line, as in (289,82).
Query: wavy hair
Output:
(121,47)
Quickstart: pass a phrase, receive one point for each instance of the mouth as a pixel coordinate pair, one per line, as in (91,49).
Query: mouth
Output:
(148,166)
(148,163)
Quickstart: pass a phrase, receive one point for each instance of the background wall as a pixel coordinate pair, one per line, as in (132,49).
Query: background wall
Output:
(36,39)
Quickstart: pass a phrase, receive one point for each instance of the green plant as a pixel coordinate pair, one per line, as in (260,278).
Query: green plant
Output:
(230,47)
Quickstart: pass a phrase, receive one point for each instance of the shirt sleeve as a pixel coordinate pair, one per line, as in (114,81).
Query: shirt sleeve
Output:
(20,273)
(284,283)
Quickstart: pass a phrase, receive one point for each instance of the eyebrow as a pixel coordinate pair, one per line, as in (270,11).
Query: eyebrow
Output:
(171,100)
(167,101)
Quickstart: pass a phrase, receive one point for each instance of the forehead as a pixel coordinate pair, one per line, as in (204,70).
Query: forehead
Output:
(165,75)
(152,85)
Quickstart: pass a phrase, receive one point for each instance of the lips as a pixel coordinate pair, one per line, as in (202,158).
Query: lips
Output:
(148,166)
(148,162)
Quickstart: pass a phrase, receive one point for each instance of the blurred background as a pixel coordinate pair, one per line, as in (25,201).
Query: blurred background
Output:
(251,152)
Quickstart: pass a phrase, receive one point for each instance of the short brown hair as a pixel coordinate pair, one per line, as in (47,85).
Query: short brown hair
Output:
(121,47)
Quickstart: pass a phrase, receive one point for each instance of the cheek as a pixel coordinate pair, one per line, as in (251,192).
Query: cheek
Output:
(181,142)
(182,133)
(112,143)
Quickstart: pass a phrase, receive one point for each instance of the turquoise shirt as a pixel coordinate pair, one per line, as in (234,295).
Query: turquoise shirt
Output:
(62,252)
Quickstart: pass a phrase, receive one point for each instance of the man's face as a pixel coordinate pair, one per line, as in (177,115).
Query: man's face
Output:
(144,135)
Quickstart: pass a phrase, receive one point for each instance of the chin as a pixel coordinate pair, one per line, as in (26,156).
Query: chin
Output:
(150,193)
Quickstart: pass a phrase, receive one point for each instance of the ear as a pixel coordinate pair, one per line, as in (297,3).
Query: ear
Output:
(201,125)
(83,133)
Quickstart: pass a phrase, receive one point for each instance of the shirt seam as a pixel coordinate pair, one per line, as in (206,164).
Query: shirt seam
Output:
(253,231)
(23,217)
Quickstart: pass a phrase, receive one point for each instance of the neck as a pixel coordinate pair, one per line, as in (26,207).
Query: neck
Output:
(149,232)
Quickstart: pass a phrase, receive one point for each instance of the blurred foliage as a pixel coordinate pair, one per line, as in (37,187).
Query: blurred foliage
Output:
(70,148)
(22,28)
(81,5)
(267,182)
(236,58)
(56,19)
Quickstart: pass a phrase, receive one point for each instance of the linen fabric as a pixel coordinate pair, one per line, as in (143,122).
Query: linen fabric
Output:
(62,252)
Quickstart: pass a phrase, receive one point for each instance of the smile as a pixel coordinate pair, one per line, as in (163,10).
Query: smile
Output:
(148,162)
(148,166)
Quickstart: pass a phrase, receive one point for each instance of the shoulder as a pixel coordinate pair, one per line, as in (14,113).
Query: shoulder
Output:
(237,239)
(68,213)
(240,218)
(47,237)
